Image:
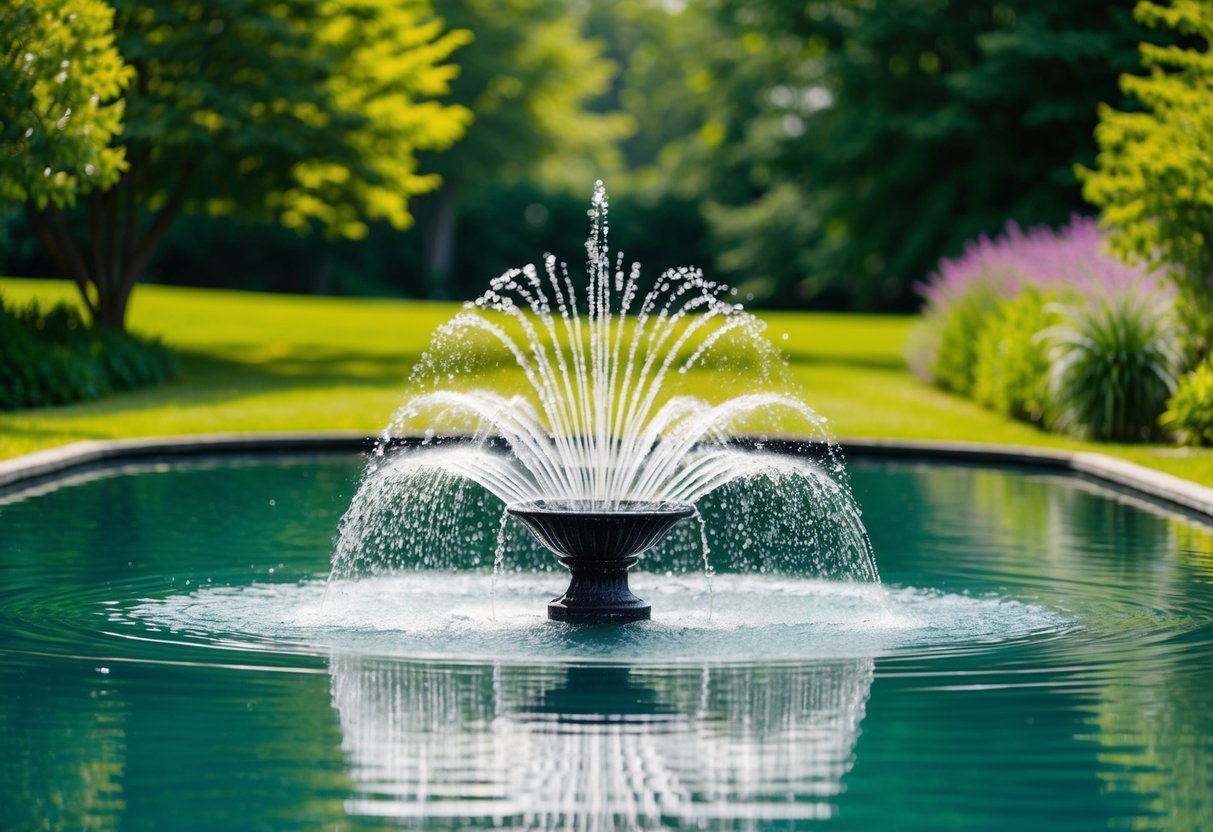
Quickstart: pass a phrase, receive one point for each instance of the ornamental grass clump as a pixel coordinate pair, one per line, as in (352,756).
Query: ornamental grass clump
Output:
(1114,366)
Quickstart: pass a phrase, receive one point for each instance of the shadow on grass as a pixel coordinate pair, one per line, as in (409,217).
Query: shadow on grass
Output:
(858,361)
(212,374)
(212,379)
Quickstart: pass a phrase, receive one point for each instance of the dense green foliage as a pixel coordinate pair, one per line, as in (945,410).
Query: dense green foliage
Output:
(53,357)
(527,76)
(1155,167)
(830,153)
(306,112)
(1189,413)
(825,153)
(901,129)
(60,74)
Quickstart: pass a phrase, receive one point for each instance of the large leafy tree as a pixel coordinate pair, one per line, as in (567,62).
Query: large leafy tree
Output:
(60,78)
(696,88)
(530,78)
(1154,174)
(903,128)
(307,111)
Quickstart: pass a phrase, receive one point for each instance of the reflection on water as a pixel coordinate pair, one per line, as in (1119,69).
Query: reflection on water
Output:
(71,774)
(597,747)
(1139,574)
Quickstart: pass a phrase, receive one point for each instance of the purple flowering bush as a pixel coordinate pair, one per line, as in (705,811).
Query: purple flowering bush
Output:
(1072,259)
(1001,321)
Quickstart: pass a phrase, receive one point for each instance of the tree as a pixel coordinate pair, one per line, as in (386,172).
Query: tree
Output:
(307,111)
(901,129)
(60,78)
(1153,178)
(529,78)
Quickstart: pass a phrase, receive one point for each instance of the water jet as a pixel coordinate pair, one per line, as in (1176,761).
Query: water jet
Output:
(597,417)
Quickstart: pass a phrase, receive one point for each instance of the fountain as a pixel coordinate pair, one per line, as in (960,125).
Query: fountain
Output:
(587,439)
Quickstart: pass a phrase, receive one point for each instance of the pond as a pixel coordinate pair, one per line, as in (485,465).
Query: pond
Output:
(172,656)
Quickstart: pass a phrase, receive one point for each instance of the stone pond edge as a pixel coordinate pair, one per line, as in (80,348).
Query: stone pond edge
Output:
(48,464)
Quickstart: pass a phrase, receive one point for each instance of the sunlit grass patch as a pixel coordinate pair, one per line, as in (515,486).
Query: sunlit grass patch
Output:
(257,362)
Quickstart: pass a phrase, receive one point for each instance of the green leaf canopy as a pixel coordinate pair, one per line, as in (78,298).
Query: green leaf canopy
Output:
(60,78)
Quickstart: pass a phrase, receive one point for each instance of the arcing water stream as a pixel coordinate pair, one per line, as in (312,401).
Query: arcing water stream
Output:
(593,415)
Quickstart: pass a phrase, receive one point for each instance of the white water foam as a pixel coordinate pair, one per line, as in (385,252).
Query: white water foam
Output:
(446,615)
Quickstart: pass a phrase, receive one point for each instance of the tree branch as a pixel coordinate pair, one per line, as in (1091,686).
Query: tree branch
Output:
(164,218)
(97,240)
(51,230)
(132,212)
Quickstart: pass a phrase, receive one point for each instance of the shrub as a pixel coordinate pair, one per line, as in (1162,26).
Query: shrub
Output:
(54,357)
(958,328)
(1152,174)
(964,294)
(1189,413)
(1012,365)
(1115,365)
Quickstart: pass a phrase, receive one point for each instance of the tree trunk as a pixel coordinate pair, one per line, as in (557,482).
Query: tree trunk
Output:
(441,219)
(111,306)
(119,248)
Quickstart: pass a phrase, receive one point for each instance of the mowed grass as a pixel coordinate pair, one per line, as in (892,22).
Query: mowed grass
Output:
(250,362)
(256,362)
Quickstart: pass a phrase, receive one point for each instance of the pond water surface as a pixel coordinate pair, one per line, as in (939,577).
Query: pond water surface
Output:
(172,657)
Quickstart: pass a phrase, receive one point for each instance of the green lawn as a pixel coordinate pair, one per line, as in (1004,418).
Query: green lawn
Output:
(255,362)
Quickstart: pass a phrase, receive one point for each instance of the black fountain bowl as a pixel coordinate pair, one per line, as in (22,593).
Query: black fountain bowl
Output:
(599,531)
(598,543)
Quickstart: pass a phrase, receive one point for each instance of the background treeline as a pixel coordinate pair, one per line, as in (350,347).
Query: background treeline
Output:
(820,154)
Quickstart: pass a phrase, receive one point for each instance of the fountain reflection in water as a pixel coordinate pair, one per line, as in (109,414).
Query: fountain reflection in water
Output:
(579,401)
(597,746)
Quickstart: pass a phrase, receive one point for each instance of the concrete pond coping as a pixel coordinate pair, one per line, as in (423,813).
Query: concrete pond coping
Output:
(47,465)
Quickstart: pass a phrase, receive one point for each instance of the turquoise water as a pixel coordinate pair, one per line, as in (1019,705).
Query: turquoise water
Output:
(171,657)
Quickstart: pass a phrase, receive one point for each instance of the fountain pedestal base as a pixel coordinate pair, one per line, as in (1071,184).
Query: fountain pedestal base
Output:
(598,593)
